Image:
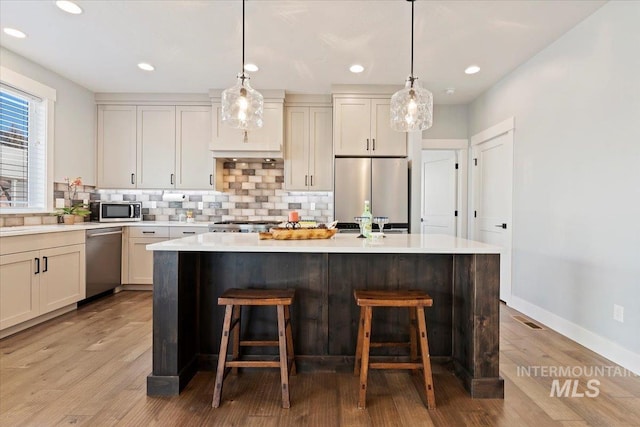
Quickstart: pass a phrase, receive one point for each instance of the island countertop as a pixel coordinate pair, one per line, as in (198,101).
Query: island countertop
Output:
(340,243)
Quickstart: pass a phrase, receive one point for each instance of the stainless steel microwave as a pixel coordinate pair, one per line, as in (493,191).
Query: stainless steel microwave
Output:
(116,211)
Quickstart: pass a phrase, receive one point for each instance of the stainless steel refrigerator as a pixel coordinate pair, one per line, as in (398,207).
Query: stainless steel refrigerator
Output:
(383,181)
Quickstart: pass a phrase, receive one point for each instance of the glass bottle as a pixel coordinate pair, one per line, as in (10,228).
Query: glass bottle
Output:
(367,220)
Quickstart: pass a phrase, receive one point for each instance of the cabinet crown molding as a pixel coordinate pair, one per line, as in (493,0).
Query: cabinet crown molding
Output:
(364,91)
(270,95)
(152,98)
(307,100)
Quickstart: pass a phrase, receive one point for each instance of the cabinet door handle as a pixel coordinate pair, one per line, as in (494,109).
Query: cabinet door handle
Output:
(210,179)
(46,264)
(37,265)
(374,144)
(312,180)
(171,179)
(188,232)
(133,178)
(305,180)
(367,144)
(148,232)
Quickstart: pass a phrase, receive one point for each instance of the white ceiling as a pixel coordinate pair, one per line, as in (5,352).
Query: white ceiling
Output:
(300,46)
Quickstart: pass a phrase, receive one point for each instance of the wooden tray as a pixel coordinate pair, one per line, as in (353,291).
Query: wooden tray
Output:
(298,234)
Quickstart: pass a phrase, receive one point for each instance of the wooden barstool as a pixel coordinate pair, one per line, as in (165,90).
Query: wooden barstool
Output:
(415,301)
(234,299)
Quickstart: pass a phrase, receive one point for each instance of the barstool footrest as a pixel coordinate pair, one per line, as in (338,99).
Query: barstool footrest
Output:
(253,364)
(259,343)
(395,365)
(389,344)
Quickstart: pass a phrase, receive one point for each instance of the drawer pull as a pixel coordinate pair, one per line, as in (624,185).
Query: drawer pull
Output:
(148,232)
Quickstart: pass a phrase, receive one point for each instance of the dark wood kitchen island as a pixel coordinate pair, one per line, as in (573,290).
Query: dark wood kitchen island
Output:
(462,277)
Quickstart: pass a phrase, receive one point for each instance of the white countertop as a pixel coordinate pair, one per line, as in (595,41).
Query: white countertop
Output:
(39,229)
(340,243)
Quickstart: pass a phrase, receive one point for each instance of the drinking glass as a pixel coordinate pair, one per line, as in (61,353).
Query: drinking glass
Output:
(360,221)
(381,221)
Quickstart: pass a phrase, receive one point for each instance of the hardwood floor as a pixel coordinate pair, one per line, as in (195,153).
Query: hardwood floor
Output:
(89,368)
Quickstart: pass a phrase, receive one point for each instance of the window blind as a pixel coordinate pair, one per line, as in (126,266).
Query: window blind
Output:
(22,150)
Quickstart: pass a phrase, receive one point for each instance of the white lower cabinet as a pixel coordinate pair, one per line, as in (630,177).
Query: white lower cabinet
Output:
(137,262)
(38,276)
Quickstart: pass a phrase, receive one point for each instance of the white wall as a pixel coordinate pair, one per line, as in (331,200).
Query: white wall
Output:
(75,119)
(577,179)
(449,122)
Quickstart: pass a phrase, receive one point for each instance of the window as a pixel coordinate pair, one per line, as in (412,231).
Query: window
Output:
(25,145)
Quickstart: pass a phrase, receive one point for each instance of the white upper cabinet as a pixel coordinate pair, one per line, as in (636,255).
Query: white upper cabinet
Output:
(362,128)
(117,146)
(308,160)
(155,146)
(385,141)
(267,138)
(264,142)
(194,162)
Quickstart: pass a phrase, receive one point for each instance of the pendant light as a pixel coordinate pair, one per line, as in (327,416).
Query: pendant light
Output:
(412,106)
(242,106)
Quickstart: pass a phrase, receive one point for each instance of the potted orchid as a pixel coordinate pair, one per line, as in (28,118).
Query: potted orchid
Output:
(68,213)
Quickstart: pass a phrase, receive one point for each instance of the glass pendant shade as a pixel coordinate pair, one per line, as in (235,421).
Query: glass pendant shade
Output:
(411,108)
(242,106)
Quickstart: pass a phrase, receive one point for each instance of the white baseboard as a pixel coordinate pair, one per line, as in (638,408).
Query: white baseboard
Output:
(612,351)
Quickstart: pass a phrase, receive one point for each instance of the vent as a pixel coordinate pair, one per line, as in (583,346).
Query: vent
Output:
(527,322)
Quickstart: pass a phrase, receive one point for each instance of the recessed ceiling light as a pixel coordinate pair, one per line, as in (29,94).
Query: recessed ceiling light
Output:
(69,7)
(472,69)
(252,68)
(450,90)
(356,68)
(146,67)
(15,33)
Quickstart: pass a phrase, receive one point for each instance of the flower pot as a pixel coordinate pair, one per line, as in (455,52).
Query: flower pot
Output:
(68,219)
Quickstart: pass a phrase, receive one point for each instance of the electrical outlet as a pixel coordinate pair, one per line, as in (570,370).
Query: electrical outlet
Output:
(200,205)
(59,203)
(313,206)
(618,313)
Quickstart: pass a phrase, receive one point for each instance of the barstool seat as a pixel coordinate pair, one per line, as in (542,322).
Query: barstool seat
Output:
(234,299)
(415,301)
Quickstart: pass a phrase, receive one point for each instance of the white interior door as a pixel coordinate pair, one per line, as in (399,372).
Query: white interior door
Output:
(439,192)
(492,176)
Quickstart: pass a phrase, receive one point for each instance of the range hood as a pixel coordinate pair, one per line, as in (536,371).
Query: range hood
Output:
(264,143)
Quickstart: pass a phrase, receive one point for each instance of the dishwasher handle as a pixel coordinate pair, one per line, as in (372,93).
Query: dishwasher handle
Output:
(104,234)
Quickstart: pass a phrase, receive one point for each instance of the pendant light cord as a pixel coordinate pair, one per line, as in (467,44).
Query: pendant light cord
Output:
(243,38)
(412,4)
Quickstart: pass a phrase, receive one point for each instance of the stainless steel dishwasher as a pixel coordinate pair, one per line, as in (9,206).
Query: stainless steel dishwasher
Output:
(103,259)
